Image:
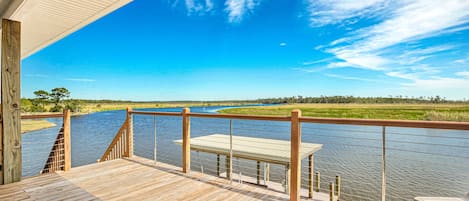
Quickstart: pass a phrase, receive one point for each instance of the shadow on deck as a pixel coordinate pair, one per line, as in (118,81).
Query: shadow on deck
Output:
(133,178)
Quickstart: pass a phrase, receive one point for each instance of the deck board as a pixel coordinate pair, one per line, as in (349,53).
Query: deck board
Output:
(133,178)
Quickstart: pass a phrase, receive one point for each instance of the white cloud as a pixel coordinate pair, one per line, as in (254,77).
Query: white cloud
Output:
(379,47)
(416,20)
(199,7)
(438,83)
(462,60)
(324,12)
(463,74)
(283,44)
(306,63)
(310,70)
(237,9)
(410,57)
(80,79)
(350,78)
(36,75)
(359,60)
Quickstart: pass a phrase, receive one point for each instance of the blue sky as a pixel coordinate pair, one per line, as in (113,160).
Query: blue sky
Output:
(249,49)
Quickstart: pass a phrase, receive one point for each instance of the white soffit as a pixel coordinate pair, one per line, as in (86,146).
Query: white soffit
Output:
(44,22)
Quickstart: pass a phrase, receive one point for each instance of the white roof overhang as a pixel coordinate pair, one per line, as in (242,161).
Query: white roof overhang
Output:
(44,22)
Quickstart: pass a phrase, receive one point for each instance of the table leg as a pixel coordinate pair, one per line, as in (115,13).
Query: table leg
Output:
(287,179)
(227,167)
(258,172)
(266,173)
(218,164)
(310,175)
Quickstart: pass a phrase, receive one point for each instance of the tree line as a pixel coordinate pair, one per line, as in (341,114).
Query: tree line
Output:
(55,100)
(362,100)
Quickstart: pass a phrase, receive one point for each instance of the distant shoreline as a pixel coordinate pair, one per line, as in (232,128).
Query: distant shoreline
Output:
(90,108)
(427,112)
(29,125)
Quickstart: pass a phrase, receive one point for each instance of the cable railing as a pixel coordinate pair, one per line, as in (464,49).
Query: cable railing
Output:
(406,161)
(59,155)
(122,144)
(359,160)
(154,136)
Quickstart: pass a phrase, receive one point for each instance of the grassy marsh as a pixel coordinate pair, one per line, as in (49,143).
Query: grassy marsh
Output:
(431,112)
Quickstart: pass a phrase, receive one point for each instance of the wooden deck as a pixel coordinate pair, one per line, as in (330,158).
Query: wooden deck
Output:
(133,178)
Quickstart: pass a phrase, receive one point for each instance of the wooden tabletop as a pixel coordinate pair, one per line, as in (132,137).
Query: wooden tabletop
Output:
(259,149)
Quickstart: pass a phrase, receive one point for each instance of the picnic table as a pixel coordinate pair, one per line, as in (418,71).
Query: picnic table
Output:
(257,149)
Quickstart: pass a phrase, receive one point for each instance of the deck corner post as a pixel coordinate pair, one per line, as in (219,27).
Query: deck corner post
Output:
(383,165)
(10,126)
(67,142)
(186,144)
(130,133)
(295,160)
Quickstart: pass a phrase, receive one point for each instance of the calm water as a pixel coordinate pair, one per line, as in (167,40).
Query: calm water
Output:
(420,162)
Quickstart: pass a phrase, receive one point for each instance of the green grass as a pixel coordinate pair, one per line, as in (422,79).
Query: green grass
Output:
(100,107)
(433,112)
(35,124)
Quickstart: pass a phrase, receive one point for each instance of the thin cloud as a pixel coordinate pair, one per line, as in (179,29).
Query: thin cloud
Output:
(310,70)
(80,79)
(350,78)
(438,83)
(307,63)
(198,7)
(327,12)
(463,74)
(36,75)
(283,44)
(237,9)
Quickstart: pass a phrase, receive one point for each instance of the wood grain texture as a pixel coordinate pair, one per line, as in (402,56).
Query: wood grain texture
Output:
(67,142)
(295,156)
(130,133)
(1,145)
(41,116)
(310,175)
(186,141)
(10,99)
(241,116)
(133,179)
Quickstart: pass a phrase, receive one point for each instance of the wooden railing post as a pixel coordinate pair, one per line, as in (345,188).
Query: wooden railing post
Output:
(10,127)
(295,161)
(383,166)
(67,142)
(186,141)
(130,133)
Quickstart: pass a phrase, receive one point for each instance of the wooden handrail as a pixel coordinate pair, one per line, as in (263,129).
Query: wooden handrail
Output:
(363,122)
(157,113)
(392,123)
(241,116)
(41,116)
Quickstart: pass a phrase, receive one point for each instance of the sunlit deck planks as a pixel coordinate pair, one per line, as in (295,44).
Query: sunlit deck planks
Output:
(135,178)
